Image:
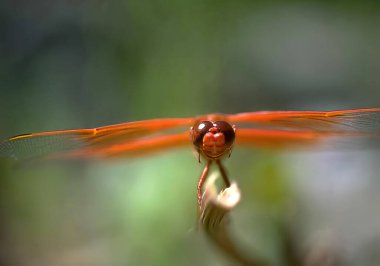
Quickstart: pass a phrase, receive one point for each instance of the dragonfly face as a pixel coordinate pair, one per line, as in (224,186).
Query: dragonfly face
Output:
(213,139)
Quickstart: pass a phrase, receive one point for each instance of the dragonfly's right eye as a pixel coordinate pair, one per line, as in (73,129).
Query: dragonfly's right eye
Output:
(199,130)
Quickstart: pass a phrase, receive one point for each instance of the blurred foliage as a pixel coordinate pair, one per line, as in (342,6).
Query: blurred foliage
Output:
(77,64)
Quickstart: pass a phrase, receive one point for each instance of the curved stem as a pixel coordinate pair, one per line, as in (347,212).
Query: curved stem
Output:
(202,179)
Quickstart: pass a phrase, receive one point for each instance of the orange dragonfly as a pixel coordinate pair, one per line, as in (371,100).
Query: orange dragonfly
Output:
(212,135)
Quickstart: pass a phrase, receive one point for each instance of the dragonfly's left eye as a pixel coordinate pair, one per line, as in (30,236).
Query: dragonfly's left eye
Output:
(227,130)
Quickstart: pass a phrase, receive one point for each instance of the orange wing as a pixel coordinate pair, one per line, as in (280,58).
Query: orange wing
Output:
(102,141)
(360,120)
(268,128)
(281,128)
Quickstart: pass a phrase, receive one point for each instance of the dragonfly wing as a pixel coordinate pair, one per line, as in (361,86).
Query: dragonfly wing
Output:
(271,138)
(56,143)
(360,120)
(136,147)
(274,138)
(36,145)
(331,129)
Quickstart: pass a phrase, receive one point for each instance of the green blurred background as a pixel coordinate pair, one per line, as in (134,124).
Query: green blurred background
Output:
(78,64)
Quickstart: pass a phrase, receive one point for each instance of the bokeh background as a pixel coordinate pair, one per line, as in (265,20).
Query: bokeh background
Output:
(78,64)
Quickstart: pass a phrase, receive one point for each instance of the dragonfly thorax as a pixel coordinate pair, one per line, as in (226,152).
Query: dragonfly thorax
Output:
(213,139)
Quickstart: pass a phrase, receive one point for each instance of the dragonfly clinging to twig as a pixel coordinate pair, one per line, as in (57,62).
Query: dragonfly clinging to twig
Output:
(213,136)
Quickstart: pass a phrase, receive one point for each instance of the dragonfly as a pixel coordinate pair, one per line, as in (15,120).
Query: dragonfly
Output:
(212,136)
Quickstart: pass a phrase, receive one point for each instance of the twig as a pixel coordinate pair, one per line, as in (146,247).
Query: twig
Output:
(214,219)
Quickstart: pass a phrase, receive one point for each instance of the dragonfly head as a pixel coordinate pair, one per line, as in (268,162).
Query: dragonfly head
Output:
(213,139)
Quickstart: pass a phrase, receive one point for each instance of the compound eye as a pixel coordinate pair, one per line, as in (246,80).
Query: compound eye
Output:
(227,130)
(199,130)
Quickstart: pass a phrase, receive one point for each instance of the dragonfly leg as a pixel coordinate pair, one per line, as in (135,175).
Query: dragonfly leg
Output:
(202,179)
(223,172)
